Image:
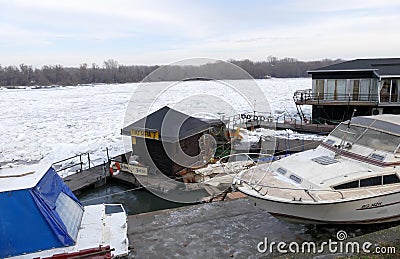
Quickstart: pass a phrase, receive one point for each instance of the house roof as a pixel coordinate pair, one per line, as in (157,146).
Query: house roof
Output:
(383,67)
(170,124)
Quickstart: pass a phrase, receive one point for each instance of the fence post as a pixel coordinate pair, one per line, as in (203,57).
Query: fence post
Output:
(88,158)
(105,172)
(80,161)
(108,157)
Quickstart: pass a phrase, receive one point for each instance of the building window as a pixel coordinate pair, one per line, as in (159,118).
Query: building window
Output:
(330,89)
(356,90)
(319,89)
(385,90)
(341,90)
(365,90)
(394,91)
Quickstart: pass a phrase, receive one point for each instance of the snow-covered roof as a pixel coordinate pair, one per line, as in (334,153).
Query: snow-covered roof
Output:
(21,177)
(382,66)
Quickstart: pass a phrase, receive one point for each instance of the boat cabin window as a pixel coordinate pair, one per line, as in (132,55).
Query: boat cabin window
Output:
(379,140)
(281,170)
(371,181)
(295,178)
(391,178)
(377,157)
(330,141)
(351,134)
(353,184)
(367,137)
(70,213)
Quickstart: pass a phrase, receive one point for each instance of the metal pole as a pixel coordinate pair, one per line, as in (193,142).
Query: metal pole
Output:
(80,159)
(108,157)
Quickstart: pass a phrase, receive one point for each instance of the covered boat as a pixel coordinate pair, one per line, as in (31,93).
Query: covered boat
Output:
(40,217)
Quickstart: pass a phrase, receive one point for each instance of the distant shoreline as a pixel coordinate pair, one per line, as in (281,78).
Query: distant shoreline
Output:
(111,72)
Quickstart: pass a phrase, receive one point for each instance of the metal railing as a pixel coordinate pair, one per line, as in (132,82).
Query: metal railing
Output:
(254,186)
(72,163)
(309,95)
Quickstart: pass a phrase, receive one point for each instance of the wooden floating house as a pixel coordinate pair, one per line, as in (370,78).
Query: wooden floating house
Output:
(159,139)
(366,86)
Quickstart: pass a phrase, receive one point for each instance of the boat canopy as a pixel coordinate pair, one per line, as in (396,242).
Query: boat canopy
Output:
(45,216)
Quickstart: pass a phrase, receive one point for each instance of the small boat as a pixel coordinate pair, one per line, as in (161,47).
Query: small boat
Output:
(352,177)
(41,218)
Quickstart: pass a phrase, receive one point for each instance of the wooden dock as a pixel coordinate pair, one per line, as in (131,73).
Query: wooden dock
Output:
(92,177)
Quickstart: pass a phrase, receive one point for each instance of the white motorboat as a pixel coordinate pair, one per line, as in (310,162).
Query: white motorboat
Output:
(41,218)
(351,177)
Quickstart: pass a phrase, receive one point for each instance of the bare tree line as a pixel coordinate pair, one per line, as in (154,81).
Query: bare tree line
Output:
(113,72)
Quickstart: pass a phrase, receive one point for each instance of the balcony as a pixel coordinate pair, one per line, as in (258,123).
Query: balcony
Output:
(301,97)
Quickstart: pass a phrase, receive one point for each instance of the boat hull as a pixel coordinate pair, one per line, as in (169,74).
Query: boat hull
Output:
(378,209)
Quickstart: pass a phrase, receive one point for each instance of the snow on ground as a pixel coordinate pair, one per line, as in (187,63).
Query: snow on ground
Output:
(52,124)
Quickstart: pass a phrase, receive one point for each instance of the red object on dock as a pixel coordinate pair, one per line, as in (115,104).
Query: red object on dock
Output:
(92,253)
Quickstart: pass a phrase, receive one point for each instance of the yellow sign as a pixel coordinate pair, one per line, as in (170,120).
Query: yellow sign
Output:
(133,140)
(151,134)
(138,170)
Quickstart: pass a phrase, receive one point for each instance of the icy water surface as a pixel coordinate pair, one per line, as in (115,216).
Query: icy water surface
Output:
(55,123)
(135,202)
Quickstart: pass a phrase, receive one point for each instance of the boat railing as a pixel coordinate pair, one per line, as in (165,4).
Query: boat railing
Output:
(258,187)
(254,159)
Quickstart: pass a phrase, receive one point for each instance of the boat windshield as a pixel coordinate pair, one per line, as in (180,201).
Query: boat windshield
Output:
(367,137)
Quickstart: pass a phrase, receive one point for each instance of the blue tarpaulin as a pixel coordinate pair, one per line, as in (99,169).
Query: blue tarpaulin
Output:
(29,221)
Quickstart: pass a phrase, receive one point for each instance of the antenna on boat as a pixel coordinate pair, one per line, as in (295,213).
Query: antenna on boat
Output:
(351,117)
(344,138)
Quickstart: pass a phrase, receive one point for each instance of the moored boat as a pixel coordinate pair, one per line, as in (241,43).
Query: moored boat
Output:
(352,177)
(41,218)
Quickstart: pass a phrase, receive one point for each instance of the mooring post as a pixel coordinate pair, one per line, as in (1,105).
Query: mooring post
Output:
(105,172)
(108,157)
(80,161)
(88,158)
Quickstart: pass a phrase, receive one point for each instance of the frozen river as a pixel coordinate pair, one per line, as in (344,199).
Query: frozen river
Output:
(51,124)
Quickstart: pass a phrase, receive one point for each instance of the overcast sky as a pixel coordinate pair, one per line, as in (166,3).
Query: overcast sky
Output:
(159,32)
